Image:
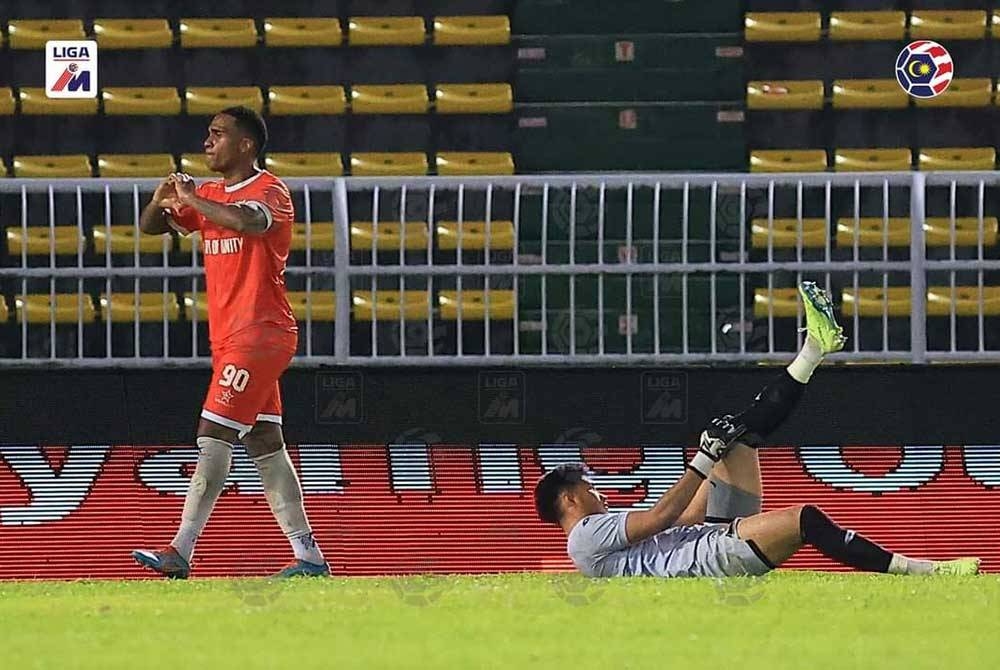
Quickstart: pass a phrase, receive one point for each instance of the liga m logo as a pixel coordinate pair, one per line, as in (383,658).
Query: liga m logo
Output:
(71,69)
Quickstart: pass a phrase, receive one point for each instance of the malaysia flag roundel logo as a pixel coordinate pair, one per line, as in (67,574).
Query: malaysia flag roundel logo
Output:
(924,69)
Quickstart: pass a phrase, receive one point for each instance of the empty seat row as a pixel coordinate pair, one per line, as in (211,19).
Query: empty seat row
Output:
(813,233)
(305,164)
(874,301)
(157,307)
(864,94)
(871,25)
(872,160)
(494,98)
(318,236)
(276,32)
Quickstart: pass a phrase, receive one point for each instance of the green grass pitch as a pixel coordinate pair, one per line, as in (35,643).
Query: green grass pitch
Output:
(798,620)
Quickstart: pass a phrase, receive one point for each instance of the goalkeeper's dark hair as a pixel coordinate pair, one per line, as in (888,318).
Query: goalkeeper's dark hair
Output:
(552,484)
(250,123)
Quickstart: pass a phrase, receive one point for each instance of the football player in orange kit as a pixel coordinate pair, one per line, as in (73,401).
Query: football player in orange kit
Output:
(245,221)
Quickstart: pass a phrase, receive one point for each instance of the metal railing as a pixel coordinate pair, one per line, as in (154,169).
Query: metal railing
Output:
(596,269)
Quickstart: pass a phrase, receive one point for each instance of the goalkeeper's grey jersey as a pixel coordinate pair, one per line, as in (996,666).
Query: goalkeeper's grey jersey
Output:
(599,547)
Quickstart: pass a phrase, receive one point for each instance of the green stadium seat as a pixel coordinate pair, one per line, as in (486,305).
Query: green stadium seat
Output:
(320,236)
(52,166)
(41,240)
(957,158)
(315,305)
(146,101)
(388,164)
(133,33)
(387,305)
(474,235)
(123,238)
(473,305)
(34,33)
(784,233)
(135,165)
(471,30)
(35,102)
(948,24)
(474,163)
(788,160)
(962,93)
(473,98)
(194,165)
(389,99)
(302,100)
(218,33)
(785,94)
(302,32)
(882,25)
(869,94)
(7,104)
(147,307)
(388,236)
(305,164)
(386,30)
(66,308)
(210,99)
(782,26)
(872,160)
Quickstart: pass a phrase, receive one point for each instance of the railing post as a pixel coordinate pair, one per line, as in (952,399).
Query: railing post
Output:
(918,274)
(342,280)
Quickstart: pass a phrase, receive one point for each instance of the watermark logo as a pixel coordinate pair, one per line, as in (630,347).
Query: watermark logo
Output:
(664,397)
(577,590)
(258,593)
(924,69)
(501,397)
(340,397)
(420,591)
(739,591)
(71,69)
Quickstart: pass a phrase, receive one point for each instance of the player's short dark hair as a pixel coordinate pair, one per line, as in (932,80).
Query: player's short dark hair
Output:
(251,123)
(552,484)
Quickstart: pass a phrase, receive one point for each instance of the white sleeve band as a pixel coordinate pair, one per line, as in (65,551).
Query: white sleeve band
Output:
(260,207)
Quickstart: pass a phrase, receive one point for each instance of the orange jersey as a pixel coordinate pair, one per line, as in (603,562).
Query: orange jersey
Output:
(244,273)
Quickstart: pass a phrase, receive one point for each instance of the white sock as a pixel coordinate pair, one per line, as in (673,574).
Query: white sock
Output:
(806,362)
(901,565)
(214,459)
(284,495)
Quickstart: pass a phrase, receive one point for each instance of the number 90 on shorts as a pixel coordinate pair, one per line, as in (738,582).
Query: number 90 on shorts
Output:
(244,387)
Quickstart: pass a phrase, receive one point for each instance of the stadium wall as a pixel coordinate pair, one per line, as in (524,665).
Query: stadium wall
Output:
(412,471)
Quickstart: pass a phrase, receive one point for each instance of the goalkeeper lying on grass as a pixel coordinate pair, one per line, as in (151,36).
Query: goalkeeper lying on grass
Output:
(709,524)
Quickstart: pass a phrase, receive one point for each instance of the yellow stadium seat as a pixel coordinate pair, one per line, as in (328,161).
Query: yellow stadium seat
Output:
(152,101)
(471,30)
(389,305)
(389,99)
(7,104)
(785,94)
(320,236)
(473,235)
(34,33)
(295,32)
(389,236)
(4,312)
(150,307)
(385,30)
(947,24)
(388,164)
(194,165)
(135,165)
(34,101)
(995,24)
(867,25)
(966,300)
(317,306)
(133,33)
(195,307)
(870,232)
(784,233)
(300,100)
(872,160)
(219,33)
(52,167)
(937,231)
(473,305)
(212,99)
(787,160)
(958,158)
(782,26)
(778,302)
(474,163)
(874,301)
(473,98)
(962,93)
(869,94)
(66,308)
(41,240)
(123,240)
(307,164)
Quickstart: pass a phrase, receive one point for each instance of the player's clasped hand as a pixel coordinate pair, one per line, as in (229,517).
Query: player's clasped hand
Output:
(165,195)
(184,186)
(715,440)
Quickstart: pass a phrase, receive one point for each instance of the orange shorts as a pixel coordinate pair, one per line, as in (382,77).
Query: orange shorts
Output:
(244,388)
